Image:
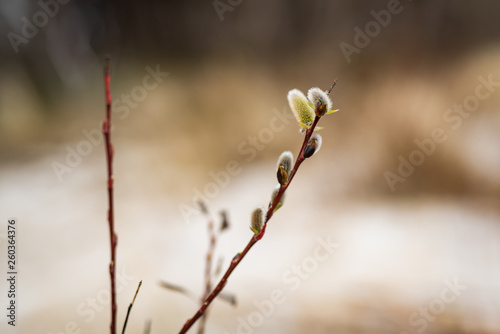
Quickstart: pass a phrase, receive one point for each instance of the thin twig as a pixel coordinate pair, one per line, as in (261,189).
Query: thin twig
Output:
(113,239)
(177,288)
(226,297)
(331,87)
(208,264)
(255,238)
(130,307)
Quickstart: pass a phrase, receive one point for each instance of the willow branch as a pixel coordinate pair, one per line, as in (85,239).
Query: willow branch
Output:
(255,238)
(106,129)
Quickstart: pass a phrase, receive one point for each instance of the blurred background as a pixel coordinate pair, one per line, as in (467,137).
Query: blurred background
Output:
(406,185)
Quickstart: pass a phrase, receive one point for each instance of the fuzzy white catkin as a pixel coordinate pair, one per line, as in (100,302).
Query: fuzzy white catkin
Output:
(286,161)
(257,220)
(304,113)
(319,97)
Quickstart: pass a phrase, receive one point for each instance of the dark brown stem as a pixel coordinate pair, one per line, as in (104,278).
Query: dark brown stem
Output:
(106,129)
(130,308)
(255,238)
(298,162)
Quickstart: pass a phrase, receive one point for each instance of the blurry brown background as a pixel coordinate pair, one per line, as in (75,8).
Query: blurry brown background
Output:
(229,72)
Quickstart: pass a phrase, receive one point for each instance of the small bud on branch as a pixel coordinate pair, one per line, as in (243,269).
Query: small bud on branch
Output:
(312,146)
(320,101)
(257,220)
(273,196)
(285,165)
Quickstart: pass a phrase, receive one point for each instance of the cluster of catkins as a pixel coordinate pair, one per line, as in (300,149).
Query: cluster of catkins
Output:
(306,110)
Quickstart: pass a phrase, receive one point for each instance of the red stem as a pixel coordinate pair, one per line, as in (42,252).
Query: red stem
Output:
(255,238)
(113,239)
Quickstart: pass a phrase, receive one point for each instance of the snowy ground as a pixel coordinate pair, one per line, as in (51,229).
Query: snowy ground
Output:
(327,263)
